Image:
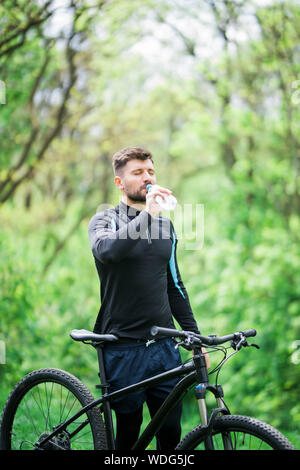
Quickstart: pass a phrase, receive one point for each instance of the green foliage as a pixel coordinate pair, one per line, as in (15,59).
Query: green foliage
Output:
(223,127)
(37,314)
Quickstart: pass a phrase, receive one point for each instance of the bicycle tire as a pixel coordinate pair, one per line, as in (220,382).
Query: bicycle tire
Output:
(262,436)
(24,412)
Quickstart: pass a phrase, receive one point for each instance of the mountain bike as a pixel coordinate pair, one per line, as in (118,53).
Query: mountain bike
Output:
(50,409)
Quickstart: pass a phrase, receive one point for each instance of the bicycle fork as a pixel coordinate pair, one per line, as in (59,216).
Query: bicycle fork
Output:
(200,392)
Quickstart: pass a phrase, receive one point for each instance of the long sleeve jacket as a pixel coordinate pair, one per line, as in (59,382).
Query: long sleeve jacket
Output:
(140,283)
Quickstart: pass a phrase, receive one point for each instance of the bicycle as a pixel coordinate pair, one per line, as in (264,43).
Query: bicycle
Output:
(50,409)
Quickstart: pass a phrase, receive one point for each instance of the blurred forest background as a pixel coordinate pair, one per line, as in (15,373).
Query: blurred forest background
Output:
(212,88)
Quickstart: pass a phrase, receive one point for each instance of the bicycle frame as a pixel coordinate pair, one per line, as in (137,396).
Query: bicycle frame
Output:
(196,372)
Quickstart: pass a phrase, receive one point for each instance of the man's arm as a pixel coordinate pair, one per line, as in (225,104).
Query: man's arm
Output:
(178,297)
(110,245)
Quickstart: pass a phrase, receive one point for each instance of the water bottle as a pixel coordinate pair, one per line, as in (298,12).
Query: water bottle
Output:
(169,203)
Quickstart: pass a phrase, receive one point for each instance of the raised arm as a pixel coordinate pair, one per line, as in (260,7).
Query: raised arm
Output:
(110,244)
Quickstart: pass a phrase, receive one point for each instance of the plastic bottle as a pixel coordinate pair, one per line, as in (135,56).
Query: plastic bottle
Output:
(169,203)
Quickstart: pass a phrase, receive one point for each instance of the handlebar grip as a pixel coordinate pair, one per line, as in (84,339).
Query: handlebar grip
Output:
(156,330)
(248,333)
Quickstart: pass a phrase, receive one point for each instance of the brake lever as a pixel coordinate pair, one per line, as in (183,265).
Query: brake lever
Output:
(242,343)
(237,345)
(254,345)
(179,343)
(186,344)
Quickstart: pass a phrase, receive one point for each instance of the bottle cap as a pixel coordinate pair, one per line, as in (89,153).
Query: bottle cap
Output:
(148,187)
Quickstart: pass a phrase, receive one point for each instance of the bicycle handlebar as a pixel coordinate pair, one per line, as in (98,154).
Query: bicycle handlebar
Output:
(203,340)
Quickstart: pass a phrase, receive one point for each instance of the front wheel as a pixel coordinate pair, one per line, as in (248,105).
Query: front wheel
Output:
(232,432)
(42,401)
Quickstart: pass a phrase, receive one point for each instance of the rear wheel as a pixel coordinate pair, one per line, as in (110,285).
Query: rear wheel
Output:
(232,432)
(42,401)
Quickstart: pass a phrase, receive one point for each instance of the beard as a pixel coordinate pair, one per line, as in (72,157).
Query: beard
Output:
(136,196)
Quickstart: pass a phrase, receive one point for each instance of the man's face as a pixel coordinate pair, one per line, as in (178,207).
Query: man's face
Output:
(136,174)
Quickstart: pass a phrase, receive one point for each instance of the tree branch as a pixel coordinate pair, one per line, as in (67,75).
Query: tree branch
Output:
(51,135)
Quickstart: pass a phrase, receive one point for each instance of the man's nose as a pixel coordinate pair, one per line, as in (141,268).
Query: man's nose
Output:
(147,178)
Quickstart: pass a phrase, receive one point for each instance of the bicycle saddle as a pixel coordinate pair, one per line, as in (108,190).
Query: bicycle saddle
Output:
(85,335)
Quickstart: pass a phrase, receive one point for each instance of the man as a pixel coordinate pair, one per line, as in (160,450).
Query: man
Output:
(135,255)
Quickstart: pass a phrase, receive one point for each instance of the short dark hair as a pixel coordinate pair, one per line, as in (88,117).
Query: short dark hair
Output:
(123,156)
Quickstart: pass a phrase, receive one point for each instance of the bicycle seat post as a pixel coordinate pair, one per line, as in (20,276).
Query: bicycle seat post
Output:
(106,405)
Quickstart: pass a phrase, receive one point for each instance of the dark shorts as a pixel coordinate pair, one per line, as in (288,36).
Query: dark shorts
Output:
(126,364)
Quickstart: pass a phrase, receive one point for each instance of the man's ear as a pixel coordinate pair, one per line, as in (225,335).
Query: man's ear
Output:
(118,182)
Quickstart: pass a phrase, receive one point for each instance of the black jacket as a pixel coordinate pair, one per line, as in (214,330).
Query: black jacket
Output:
(135,256)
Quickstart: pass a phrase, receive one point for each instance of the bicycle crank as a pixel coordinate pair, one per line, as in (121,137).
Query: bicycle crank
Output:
(60,442)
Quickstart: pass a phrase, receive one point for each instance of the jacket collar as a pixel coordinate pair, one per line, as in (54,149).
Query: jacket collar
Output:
(126,210)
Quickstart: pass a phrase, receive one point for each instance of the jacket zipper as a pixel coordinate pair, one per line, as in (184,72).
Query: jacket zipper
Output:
(148,235)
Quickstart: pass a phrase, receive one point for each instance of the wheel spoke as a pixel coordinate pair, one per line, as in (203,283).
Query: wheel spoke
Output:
(43,408)
(31,419)
(39,402)
(48,401)
(38,407)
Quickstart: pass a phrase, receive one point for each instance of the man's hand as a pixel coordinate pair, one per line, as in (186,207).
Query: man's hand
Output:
(205,353)
(151,205)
